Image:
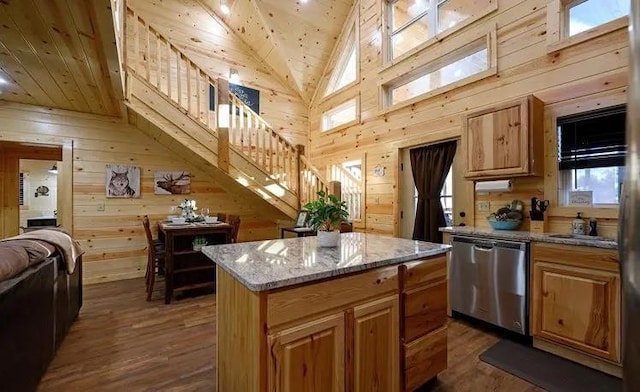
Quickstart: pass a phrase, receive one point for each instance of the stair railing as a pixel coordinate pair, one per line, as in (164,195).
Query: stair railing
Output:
(259,142)
(153,58)
(161,64)
(351,189)
(311,182)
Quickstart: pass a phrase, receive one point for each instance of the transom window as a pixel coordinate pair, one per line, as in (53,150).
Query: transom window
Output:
(583,15)
(340,115)
(459,65)
(413,22)
(591,154)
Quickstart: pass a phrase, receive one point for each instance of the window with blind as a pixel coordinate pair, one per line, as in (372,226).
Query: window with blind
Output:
(591,154)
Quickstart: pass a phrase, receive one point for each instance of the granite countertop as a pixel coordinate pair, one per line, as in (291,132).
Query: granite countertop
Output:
(554,238)
(270,264)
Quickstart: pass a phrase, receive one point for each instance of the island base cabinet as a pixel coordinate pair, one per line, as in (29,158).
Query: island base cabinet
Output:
(308,357)
(311,356)
(424,358)
(376,336)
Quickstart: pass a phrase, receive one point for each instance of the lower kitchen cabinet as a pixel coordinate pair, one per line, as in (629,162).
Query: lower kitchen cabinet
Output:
(380,330)
(311,356)
(576,299)
(376,342)
(308,357)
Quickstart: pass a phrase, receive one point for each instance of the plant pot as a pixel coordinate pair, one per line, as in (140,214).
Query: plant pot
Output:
(328,239)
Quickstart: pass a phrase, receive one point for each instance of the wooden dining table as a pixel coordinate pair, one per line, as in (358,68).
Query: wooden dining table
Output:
(187,268)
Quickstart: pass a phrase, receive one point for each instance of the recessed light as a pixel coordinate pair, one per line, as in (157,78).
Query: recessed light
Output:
(225,9)
(3,80)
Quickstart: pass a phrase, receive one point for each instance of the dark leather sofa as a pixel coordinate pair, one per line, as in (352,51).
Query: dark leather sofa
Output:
(37,307)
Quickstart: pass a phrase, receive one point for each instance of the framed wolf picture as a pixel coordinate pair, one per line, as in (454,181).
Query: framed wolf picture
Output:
(172,183)
(122,181)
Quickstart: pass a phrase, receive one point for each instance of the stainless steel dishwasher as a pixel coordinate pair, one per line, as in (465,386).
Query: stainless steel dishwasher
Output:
(489,281)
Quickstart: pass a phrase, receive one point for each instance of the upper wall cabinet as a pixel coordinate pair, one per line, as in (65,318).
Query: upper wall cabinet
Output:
(504,141)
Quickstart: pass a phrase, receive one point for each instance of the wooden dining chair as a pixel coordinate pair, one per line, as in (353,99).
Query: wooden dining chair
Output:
(155,257)
(234,221)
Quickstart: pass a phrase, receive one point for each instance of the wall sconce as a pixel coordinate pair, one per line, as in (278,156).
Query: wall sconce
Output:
(223,115)
(234,76)
(54,169)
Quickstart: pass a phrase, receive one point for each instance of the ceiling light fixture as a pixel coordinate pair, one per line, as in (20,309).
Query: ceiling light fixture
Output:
(3,80)
(303,1)
(54,169)
(234,76)
(225,8)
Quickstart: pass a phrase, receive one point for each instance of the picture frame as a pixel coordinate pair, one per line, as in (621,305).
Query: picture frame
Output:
(171,182)
(301,220)
(122,181)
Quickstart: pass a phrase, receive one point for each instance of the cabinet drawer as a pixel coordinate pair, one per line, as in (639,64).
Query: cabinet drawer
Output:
(425,358)
(425,310)
(299,302)
(425,271)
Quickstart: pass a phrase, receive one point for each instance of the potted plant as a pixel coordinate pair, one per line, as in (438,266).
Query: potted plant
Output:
(325,215)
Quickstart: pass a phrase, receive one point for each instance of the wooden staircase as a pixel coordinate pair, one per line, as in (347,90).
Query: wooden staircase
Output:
(163,85)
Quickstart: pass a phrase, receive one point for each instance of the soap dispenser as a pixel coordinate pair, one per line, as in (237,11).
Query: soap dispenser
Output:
(578,225)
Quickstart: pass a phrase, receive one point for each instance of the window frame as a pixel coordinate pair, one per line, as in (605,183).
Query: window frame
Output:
(387,32)
(352,24)
(558,25)
(340,64)
(551,166)
(334,108)
(387,86)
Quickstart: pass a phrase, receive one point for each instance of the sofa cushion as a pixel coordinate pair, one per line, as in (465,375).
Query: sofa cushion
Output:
(18,255)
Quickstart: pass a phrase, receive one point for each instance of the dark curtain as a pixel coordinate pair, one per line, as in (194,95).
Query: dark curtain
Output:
(430,166)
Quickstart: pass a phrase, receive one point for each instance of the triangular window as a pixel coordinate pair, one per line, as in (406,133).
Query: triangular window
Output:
(345,71)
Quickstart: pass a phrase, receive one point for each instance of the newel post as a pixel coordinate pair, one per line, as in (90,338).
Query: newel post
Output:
(299,182)
(335,188)
(223,124)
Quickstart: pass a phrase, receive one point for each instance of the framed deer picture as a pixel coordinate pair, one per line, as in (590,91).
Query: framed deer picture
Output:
(122,181)
(172,183)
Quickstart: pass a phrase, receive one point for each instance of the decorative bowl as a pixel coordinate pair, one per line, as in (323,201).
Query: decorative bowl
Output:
(210,219)
(505,224)
(178,220)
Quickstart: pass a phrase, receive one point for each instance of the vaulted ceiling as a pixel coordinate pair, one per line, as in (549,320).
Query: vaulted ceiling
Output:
(293,37)
(59,53)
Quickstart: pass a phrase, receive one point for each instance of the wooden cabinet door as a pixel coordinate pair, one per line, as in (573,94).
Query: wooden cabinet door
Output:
(577,307)
(376,346)
(505,140)
(498,142)
(308,357)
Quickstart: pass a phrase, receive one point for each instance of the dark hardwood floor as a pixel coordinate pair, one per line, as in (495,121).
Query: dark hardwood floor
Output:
(123,343)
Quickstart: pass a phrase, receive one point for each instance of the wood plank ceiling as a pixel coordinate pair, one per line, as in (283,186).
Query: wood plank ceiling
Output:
(293,37)
(59,53)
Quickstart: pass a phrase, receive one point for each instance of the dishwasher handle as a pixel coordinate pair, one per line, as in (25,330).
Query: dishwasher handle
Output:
(483,247)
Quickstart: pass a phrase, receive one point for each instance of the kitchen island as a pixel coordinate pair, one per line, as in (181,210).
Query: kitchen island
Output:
(367,315)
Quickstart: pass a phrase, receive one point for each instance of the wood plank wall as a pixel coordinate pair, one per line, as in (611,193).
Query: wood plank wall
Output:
(114,238)
(216,49)
(598,66)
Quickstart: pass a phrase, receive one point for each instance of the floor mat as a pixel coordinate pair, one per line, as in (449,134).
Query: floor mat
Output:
(548,371)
